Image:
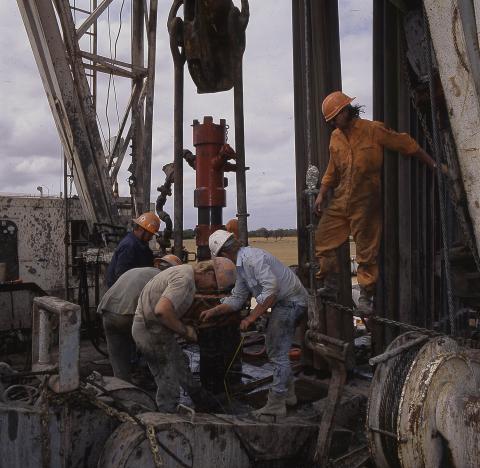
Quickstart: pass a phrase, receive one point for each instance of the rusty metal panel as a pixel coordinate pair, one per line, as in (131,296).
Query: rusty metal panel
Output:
(73,437)
(41,232)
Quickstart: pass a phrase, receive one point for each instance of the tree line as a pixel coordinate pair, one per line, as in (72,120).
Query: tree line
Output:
(274,234)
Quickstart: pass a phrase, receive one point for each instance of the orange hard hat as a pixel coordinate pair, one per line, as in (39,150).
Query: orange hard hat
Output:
(168,260)
(148,221)
(232,226)
(334,103)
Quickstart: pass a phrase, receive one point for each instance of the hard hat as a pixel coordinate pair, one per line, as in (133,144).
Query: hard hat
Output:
(148,221)
(334,103)
(217,240)
(232,226)
(170,259)
(225,273)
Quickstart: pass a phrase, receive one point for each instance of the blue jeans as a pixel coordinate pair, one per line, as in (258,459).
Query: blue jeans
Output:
(278,339)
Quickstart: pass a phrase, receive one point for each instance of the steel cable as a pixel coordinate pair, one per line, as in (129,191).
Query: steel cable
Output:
(441,185)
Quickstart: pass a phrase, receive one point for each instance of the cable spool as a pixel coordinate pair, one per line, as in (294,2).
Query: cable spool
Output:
(384,401)
(389,402)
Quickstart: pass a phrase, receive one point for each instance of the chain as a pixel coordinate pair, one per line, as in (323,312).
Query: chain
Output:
(426,132)
(385,321)
(44,425)
(122,416)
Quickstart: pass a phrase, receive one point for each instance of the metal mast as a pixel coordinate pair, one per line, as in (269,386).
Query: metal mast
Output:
(69,74)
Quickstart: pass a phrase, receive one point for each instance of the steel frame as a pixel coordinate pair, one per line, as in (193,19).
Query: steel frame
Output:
(55,40)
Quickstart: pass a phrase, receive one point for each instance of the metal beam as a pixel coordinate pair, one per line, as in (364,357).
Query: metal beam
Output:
(92,18)
(72,110)
(140,71)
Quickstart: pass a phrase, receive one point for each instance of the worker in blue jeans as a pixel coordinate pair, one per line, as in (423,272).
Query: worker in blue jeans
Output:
(274,286)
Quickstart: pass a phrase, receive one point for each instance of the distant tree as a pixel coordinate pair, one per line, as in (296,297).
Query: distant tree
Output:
(278,234)
(264,232)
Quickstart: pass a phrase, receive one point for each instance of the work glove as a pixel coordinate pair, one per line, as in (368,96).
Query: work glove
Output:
(190,334)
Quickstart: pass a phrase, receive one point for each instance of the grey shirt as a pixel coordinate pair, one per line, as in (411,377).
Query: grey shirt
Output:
(261,274)
(176,284)
(123,296)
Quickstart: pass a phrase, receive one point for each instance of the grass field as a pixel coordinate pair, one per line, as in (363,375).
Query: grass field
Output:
(284,249)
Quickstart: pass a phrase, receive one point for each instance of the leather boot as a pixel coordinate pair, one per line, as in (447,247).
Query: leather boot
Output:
(291,399)
(329,290)
(365,302)
(275,406)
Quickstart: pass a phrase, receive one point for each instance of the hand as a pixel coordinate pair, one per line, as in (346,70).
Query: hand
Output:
(443,169)
(245,323)
(207,314)
(190,334)
(319,202)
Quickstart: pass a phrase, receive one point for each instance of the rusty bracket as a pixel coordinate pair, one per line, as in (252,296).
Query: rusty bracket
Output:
(335,352)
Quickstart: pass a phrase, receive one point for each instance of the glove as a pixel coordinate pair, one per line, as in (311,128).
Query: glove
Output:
(190,334)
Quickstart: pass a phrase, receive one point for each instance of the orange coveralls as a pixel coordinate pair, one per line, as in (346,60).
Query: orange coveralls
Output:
(354,171)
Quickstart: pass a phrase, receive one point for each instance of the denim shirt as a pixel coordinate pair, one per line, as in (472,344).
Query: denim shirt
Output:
(261,274)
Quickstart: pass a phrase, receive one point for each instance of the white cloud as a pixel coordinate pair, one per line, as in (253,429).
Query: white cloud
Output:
(31,153)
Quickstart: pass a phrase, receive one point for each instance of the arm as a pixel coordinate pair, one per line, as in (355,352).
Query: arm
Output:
(164,310)
(329,180)
(259,310)
(221,309)
(230,304)
(267,298)
(320,200)
(423,156)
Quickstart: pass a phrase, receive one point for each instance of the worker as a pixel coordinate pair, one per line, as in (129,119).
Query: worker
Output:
(354,173)
(133,250)
(232,226)
(117,308)
(162,303)
(274,286)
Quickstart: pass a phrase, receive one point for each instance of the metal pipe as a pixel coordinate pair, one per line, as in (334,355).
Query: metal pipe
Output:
(240,150)
(152,40)
(138,138)
(396,351)
(178,161)
(43,337)
(66,238)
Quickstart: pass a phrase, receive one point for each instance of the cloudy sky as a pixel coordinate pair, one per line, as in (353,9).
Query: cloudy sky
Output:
(31,153)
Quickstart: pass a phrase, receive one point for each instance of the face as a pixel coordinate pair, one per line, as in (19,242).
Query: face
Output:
(341,120)
(206,281)
(146,236)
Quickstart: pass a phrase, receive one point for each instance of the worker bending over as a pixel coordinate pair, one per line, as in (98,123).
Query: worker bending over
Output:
(133,250)
(273,285)
(354,173)
(162,303)
(117,308)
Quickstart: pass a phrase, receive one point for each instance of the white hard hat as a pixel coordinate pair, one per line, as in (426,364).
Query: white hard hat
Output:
(217,240)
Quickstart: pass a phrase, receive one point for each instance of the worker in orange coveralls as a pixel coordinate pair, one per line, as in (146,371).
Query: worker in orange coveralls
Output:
(354,173)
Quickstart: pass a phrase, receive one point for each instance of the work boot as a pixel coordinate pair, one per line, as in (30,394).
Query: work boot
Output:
(291,397)
(329,290)
(365,302)
(275,406)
